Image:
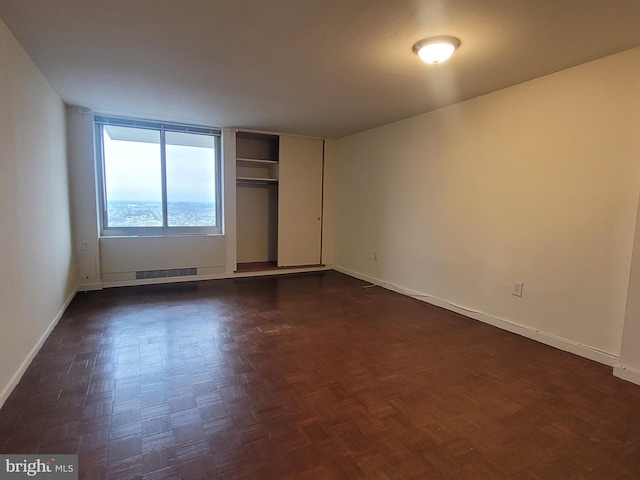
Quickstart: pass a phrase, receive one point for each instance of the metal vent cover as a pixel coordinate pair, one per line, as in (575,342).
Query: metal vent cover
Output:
(166,273)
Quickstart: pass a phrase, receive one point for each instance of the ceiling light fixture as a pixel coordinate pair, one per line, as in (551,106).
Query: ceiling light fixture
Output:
(436,49)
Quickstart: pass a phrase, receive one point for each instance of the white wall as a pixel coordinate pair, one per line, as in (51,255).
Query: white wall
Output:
(121,257)
(82,191)
(628,366)
(229,204)
(329,202)
(37,280)
(536,183)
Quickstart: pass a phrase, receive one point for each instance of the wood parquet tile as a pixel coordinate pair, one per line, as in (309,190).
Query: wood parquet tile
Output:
(312,376)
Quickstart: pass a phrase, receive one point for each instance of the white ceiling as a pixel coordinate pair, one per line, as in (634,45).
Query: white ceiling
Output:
(324,68)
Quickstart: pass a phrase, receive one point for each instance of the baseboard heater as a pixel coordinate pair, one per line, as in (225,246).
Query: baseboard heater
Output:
(167,273)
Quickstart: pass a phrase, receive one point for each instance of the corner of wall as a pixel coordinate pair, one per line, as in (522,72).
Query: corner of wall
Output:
(627,373)
(83,197)
(8,388)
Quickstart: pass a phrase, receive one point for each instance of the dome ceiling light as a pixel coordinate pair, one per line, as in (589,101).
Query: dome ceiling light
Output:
(435,50)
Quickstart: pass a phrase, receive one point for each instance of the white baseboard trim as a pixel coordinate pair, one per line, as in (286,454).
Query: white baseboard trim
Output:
(627,373)
(523,330)
(89,287)
(6,391)
(214,276)
(283,271)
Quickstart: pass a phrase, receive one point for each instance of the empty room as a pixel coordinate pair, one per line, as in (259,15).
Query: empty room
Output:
(320,240)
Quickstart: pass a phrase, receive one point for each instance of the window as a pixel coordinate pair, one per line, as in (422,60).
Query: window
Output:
(158,179)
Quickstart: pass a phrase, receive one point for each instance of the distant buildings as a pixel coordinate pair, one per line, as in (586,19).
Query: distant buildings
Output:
(149,214)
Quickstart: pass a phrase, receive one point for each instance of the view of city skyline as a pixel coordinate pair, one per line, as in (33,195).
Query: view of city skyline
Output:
(133,213)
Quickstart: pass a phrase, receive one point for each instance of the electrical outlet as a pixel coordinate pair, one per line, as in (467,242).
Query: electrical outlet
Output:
(517,289)
(85,245)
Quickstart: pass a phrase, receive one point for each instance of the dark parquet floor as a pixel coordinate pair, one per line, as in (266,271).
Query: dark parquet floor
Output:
(312,376)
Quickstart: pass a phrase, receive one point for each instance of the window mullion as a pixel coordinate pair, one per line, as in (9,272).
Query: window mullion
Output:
(163,173)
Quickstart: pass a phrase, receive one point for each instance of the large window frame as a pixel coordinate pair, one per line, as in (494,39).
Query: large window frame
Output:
(100,122)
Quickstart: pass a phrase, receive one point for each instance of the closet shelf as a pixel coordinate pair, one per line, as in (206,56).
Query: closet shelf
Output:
(256,180)
(256,160)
